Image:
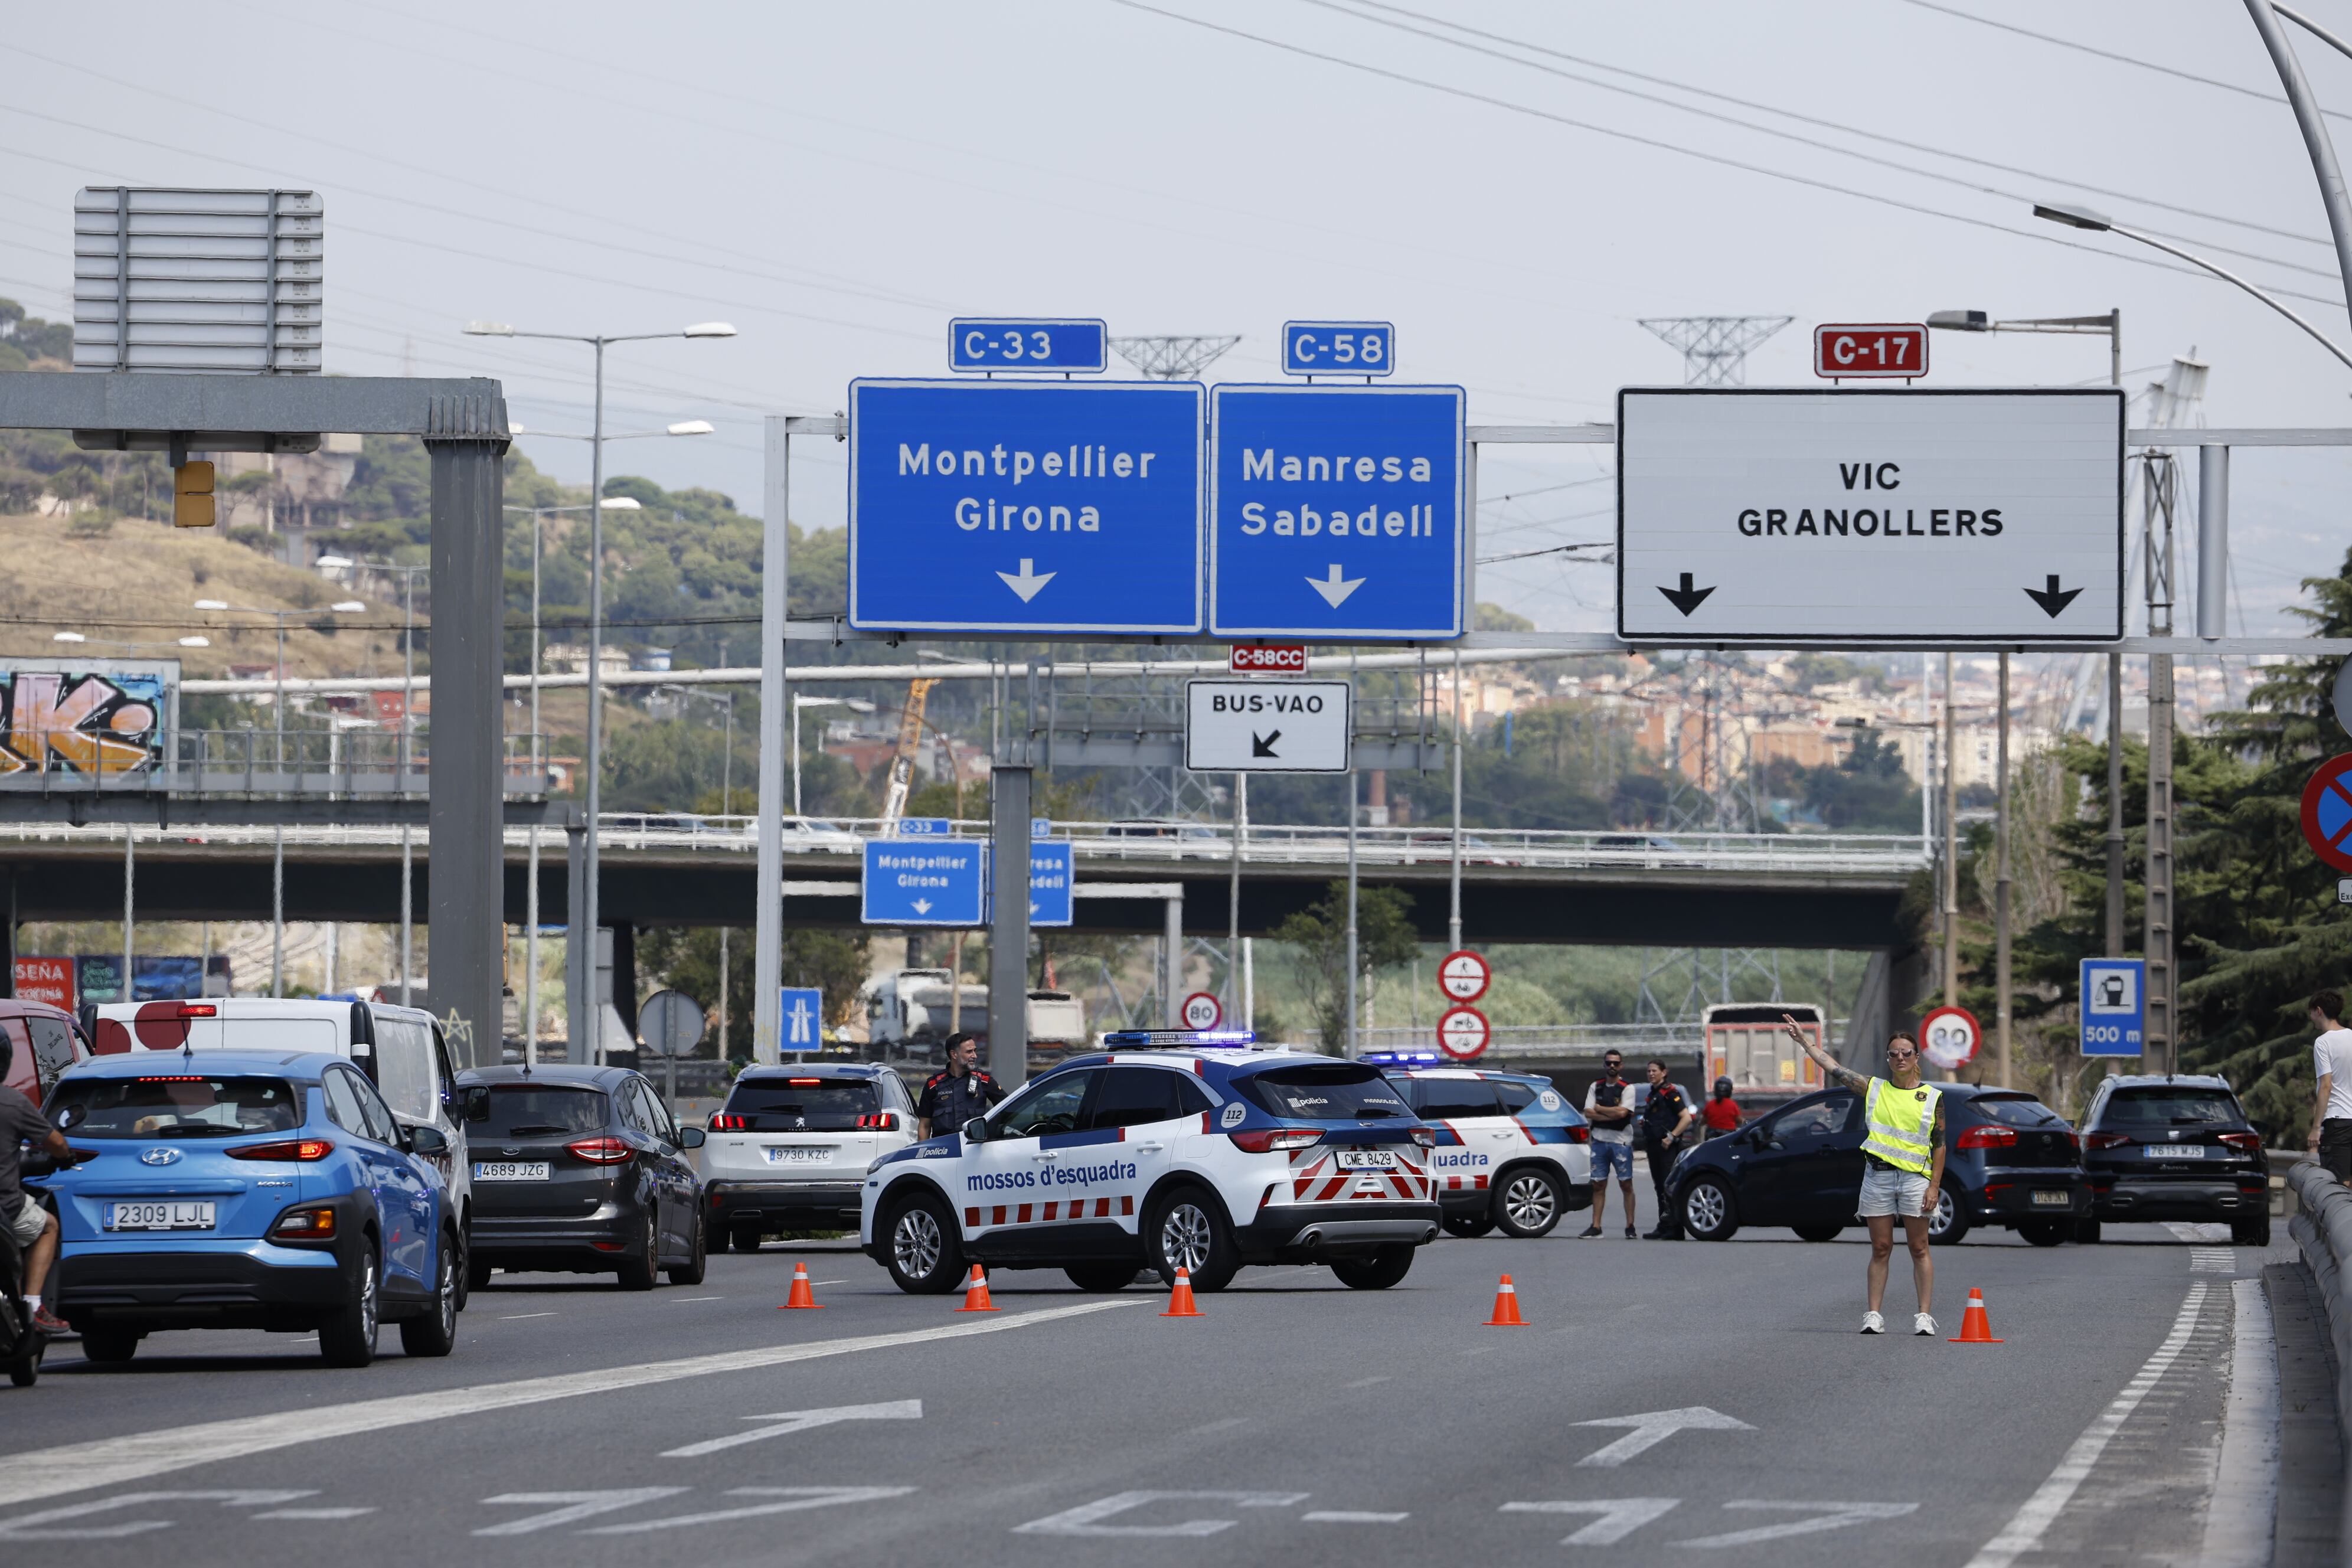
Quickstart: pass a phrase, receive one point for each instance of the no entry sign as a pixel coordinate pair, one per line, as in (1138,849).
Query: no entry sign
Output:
(1950,1038)
(1463,976)
(2328,812)
(1462,1034)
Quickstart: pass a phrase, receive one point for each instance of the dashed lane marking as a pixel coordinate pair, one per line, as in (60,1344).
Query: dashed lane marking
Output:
(1352,1516)
(518,1316)
(322,1513)
(2213,1260)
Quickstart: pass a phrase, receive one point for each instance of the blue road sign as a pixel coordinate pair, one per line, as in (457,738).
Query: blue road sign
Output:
(939,882)
(1338,348)
(1041,827)
(800,1017)
(1027,343)
(2113,993)
(1337,511)
(1025,506)
(1051,869)
(925,828)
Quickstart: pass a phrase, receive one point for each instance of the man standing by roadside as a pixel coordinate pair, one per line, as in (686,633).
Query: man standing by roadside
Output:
(1607,1105)
(959,1094)
(2331,1108)
(1666,1116)
(1903,1166)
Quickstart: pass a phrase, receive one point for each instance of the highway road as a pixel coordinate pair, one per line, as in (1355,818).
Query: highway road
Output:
(1294,1422)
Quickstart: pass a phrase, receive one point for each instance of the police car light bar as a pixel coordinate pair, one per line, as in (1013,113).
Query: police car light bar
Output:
(1130,1039)
(1400,1056)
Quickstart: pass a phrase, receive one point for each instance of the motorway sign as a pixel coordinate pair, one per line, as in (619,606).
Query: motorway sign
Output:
(671,1022)
(1338,348)
(799,1015)
(1463,1033)
(1027,343)
(1050,875)
(1267,658)
(1845,351)
(1204,1010)
(2340,695)
(925,828)
(2328,812)
(1870,515)
(1337,511)
(1463,975)
(940,883)
(2114,1002)
(1950,1038)
(1251,727)
(1025,506)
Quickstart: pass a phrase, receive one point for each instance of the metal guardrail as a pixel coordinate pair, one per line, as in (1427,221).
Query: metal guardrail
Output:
(2322,1228)
(300,762)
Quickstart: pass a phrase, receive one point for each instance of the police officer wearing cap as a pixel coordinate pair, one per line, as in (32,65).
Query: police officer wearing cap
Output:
(958,1095)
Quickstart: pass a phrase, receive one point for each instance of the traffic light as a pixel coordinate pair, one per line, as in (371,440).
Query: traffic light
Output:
(191,496)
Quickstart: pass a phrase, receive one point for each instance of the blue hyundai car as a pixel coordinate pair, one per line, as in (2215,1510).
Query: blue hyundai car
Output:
(237,1189)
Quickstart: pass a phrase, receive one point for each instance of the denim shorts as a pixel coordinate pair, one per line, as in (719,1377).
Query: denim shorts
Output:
(1888,1191)
(1612,1156)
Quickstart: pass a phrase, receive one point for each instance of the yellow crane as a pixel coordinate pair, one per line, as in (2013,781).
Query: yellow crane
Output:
(902,761)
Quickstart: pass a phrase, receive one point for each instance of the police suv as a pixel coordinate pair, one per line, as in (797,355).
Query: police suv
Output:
(1511,1152)
(1172,1148)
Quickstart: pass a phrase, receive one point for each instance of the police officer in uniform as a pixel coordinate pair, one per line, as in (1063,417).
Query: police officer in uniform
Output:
(956,1096)
(1665,1116)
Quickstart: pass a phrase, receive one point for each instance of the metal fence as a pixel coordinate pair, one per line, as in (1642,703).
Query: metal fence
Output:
(255,762)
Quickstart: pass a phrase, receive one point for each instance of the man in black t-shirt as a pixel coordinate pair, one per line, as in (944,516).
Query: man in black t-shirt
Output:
(1665,1116)
(32,1226)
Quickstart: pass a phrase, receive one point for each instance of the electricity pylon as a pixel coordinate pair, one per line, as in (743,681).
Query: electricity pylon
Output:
(1715,348)
(1175,358)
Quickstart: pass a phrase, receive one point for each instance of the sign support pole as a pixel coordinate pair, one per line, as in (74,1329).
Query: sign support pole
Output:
(1234,898)
(1008,927)
(1352,1048)
(1454,873)
(2000,889)
(775,716)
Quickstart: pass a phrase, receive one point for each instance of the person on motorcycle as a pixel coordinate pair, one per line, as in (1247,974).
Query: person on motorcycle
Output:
(34,1227)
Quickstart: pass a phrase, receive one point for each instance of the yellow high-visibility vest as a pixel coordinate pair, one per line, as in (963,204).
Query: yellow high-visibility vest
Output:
(1902,1121)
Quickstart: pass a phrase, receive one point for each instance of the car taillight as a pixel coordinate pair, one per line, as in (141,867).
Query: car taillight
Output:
(303,1149)
(1580,1134)
(304,1225)
(879,1122)
(722,1123)
(2104,1139)
(2251,1143)
(195,1010)
(1265,1141)
(1987,1137)
(1425,1136)
(599,1150)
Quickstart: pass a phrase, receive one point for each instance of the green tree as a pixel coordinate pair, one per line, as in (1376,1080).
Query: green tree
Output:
(686,959)
(1384,939)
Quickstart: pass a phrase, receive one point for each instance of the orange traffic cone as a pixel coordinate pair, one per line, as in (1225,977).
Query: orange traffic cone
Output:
(975,1293)
(1506,1306)
(802,1295)
(1975,1329)
(1180,1300)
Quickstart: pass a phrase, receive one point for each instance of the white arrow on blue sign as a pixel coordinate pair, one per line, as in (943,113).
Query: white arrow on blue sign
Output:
(799,1015)
(936,882)
(2114,1001)
(1337,511)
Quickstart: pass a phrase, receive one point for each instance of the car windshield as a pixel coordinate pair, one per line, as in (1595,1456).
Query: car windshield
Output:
(2178,1106)
(802,1104)
(525,1110)
(190,1106)
(2015,1110)
(1342,1091)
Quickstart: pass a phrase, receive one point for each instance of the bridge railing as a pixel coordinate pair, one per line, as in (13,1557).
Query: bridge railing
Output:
(255,762)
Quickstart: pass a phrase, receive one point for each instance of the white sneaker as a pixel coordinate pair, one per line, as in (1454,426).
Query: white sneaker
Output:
(1924,1325)
(1872,1323)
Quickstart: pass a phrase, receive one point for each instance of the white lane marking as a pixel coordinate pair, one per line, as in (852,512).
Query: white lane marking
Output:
(1352,1516)
(2243,1519)
(31,1526)
(314,1514)
(577,1506)
(1619,1517)
(1368,1382)
(682,1300)
(797,1499)
(1086,1518)
(518,1316)
(1653,1427)
(1829,1516)
(1227,1424)
(2025,1529)
(789,1421)
(110,1461)
(2183,1230)
(2213,1260)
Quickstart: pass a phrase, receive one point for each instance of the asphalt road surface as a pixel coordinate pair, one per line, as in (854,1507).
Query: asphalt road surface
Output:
(1295,1421)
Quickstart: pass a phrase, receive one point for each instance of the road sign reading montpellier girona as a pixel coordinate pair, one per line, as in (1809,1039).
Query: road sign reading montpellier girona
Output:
(1877,515)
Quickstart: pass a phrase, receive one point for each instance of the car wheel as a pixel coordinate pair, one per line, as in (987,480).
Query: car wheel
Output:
(1102,1278)
(641,1269)
(2043,1232)
(435,1333)
(1528,1203)
(2086,1232)
(465,1264)
(1949,1225)
(479,1270)
(2251,1232)
(1186,1228)
(1817,1232)
(1381,1270)
(1708,1212)
(926,1254)
(691,1272)
(347,1338)
(746,1237)
(111,1346)
(1468,1225)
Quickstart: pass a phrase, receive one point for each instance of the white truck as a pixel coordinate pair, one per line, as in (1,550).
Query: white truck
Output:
(910,1015)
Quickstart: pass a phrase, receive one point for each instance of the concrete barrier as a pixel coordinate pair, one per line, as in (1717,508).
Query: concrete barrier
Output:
(2322,1228)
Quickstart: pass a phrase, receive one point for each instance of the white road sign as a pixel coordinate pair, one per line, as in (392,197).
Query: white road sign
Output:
(1883,516)
(1267,726)
(1463,975)
(1463,1033)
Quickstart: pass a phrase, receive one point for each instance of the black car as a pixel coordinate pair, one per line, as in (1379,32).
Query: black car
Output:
(580,1170)
(2009,1160)
(2177,1147)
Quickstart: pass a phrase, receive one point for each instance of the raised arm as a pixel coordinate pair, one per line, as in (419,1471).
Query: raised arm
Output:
(1821,1058)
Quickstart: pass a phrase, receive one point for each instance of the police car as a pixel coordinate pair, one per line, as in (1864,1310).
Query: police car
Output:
(1170,1148)
(1511,1152)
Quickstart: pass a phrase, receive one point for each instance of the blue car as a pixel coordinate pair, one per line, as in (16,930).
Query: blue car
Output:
(239,1189)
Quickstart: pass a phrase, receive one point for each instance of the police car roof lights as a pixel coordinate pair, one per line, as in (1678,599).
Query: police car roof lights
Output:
(1390,1057)
(1175,1039)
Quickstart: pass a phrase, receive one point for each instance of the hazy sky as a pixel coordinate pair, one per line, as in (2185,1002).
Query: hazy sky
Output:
(839,180)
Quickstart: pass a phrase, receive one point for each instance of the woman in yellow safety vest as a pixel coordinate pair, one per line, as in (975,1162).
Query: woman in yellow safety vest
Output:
(1903,1166)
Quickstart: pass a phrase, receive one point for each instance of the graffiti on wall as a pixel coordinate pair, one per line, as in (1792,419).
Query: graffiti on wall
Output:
(99,719)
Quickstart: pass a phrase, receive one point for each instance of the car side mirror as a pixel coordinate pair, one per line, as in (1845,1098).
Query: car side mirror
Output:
(691,1137)
(976,1130)
(427,1141)
(477,1103)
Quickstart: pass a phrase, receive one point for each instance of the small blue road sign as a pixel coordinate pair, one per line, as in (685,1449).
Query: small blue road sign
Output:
(939,882)
(1026,342)
(2115,1006)
(1337,348)
(1041,827)
(800,1018)
(925,828)
(1337,512)
(1025,506)
(1050,875)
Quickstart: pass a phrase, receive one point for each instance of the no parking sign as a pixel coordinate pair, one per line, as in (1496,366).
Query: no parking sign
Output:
(2328,810)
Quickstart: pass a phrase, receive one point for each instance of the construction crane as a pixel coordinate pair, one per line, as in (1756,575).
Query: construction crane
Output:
(902,761)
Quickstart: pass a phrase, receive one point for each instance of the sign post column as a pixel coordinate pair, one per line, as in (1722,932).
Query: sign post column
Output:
(1008,927)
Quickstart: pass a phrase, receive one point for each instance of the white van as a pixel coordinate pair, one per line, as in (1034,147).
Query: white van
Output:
(401,1049)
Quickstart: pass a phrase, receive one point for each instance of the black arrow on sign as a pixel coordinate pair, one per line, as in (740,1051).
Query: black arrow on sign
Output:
(1687,598)
(2053,598)
(1263,745)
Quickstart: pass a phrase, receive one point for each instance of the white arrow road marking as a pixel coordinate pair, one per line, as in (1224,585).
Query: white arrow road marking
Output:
(1653,1427)
(801,1421)
(28,1526)
(1619,1517)
(796,1498)
(315,1512)
(1030,580)
(578,1506)
(1335,589)
(1086,1517)
(1828,1516)
(63,1467)
(922,906)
